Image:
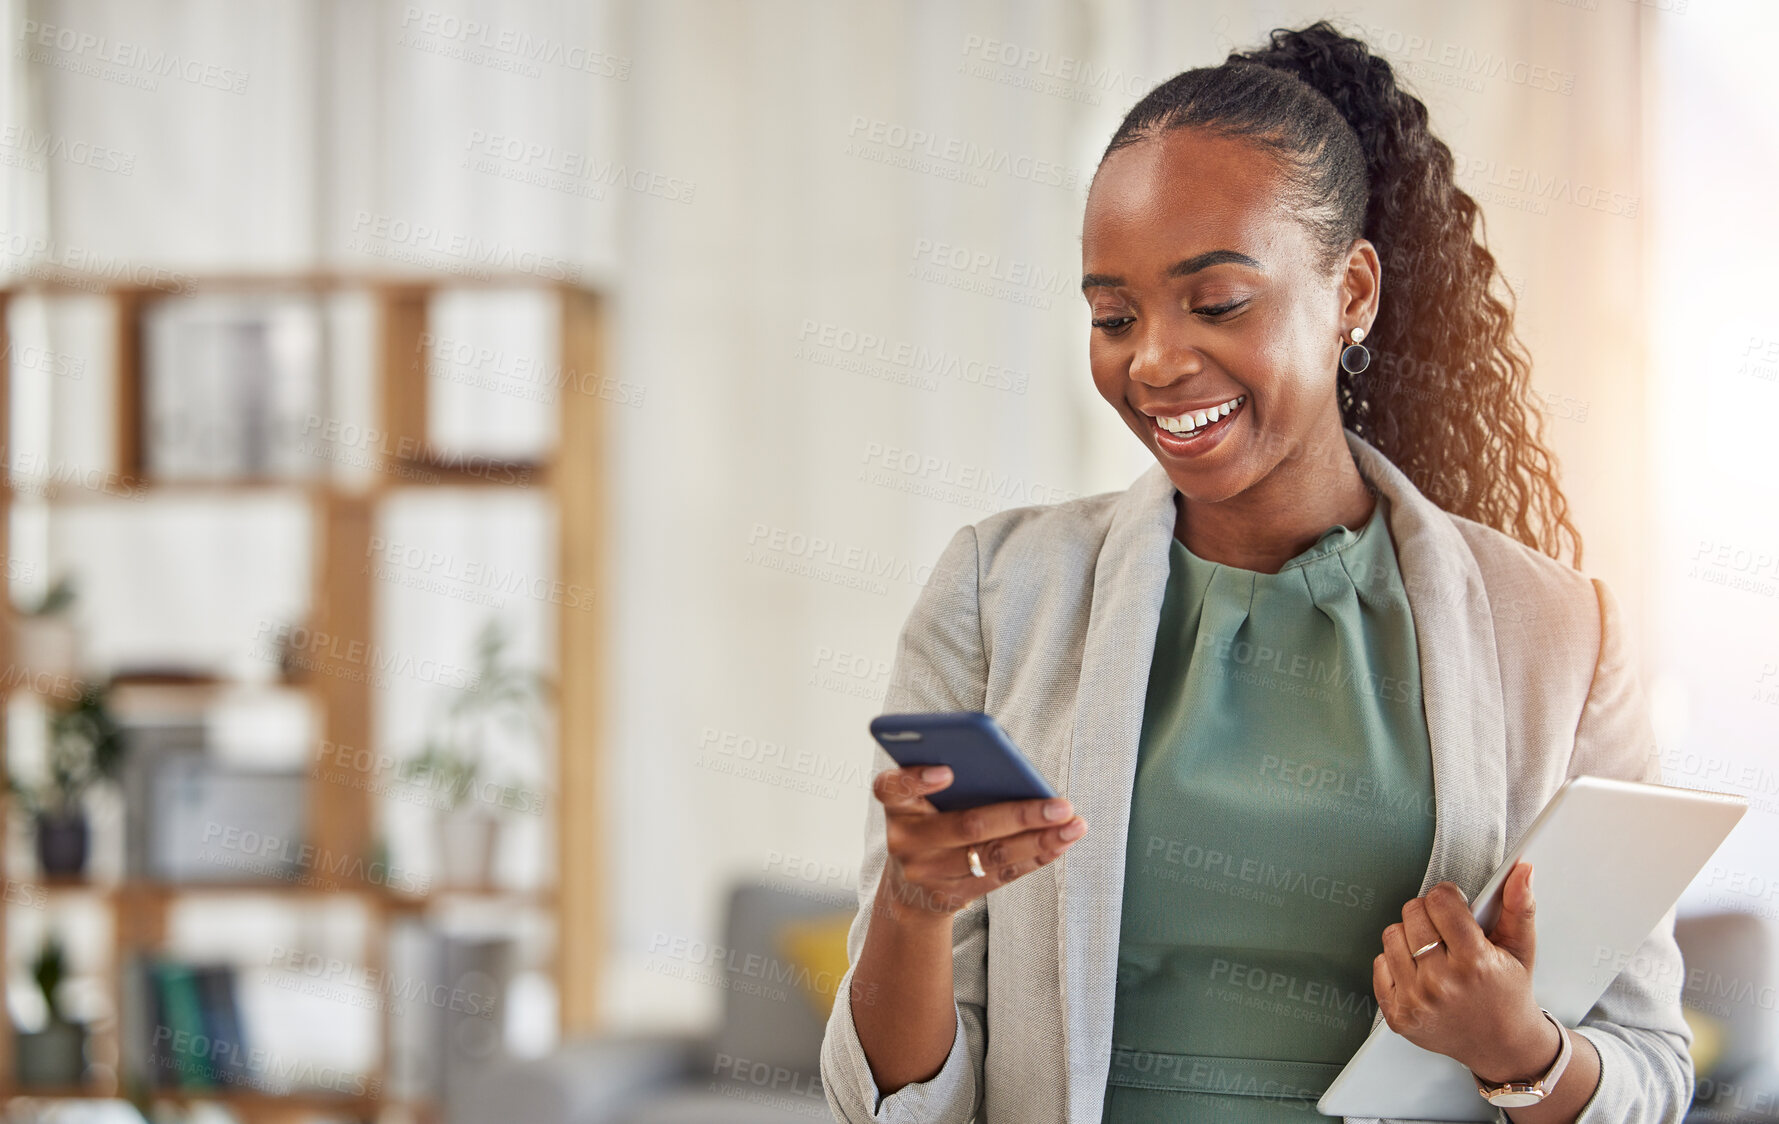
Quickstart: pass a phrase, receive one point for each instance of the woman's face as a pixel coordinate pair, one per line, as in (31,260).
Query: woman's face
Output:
(1205,291)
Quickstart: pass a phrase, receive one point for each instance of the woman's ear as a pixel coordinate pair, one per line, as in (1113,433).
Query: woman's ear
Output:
(1361,282)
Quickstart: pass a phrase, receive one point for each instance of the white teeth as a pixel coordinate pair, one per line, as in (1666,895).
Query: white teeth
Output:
(1186,423)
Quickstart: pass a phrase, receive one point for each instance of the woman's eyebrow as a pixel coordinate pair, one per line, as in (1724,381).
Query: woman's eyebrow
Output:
(1179,269)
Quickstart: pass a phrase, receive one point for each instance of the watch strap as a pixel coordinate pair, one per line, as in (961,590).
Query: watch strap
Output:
(1518,1094)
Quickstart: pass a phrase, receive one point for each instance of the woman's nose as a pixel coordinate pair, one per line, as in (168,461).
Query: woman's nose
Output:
(1162,357)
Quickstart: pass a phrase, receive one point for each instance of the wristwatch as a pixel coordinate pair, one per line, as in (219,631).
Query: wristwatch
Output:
(1519,1094)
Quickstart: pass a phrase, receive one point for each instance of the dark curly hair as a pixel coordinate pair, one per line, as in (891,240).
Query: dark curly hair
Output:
(1448,395)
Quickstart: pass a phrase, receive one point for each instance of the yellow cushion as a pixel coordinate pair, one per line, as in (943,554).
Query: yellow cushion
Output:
(1708,1035)
(816,949)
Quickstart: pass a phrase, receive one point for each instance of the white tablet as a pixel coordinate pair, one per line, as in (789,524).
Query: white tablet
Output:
(1611,857)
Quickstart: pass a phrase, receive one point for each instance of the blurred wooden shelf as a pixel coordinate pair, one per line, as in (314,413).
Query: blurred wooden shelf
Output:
(344,496)
(393,899)
(236,1097)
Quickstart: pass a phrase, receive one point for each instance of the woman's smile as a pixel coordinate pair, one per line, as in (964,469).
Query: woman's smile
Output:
(1194,432)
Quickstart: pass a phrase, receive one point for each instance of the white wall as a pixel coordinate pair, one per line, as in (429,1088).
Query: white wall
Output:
(803,232)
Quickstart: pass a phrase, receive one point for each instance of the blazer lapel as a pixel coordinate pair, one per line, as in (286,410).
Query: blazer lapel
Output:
(1461,692)
(1129,580)
(1460,680)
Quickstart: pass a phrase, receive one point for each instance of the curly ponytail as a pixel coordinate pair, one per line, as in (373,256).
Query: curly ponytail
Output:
(1448,395)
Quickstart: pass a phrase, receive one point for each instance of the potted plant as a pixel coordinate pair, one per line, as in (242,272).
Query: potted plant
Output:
(44,640)
(56,1054)
(502,702)
(86,747)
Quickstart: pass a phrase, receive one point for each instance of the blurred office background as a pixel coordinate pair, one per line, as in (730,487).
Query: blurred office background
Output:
(470,462)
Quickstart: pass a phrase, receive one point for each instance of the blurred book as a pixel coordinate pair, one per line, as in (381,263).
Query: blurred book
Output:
(148,744)
(191,818)
(209,822)
(442,1043)
(232,387)
(179,1026)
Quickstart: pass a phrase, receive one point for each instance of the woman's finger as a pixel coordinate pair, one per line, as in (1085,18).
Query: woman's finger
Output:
(1023,852)
(1399,955)
(1006,860)
(1450,914)
(1383,985)
(970,827)
(1418,930)
(905,789)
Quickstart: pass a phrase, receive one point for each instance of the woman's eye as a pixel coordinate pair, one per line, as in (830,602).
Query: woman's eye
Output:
(1214,310)
(1112,324)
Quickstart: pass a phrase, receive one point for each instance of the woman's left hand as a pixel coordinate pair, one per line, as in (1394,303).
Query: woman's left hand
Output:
(1470,997)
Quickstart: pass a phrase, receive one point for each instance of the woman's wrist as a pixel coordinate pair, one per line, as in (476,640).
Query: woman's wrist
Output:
(908,908)
(1526,1058)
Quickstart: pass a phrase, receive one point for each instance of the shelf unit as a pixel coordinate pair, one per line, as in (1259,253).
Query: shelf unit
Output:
(342,819)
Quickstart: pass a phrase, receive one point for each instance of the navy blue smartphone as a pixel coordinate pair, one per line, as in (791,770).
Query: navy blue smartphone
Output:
(986,767)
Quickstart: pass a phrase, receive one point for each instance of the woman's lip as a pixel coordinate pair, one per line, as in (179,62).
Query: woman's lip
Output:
(1201,440)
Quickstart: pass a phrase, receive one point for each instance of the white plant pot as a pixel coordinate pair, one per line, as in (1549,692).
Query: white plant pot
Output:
(467,836)
(46,646)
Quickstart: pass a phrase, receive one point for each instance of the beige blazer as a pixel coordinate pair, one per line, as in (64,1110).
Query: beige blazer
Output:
(1046,616)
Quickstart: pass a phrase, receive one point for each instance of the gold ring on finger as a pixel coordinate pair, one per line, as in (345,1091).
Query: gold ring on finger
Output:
(976,864)
(1428,947)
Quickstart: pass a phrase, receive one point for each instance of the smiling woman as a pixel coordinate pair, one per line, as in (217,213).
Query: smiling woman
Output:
(1329,564)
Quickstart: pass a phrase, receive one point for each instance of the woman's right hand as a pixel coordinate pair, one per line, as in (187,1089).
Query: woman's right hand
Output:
(927,872)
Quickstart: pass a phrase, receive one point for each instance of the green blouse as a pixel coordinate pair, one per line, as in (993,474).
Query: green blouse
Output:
(1282,815)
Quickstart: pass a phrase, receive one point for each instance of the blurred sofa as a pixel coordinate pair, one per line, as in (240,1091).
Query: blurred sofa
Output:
(761,1065)
(1731,995)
